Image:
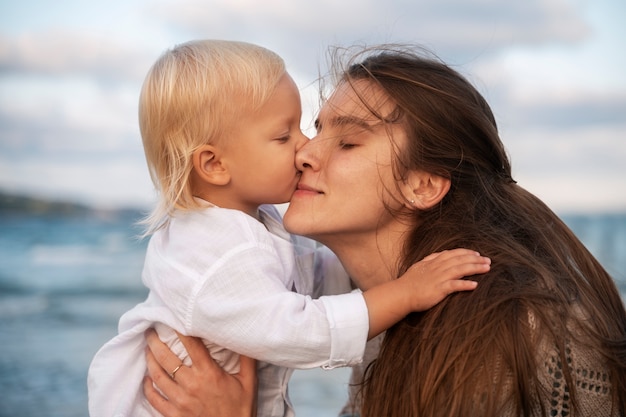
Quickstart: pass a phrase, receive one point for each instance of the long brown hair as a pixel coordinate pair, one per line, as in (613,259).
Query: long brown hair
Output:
(545,316)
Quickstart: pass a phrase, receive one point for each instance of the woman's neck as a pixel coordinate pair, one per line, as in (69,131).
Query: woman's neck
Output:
(369,260)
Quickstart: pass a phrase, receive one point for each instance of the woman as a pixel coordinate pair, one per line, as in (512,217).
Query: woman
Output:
(408,161)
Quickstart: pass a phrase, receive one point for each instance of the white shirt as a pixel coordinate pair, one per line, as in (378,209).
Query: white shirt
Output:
(220,275)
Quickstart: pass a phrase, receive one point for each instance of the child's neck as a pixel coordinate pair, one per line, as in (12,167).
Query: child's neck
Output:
(221,200)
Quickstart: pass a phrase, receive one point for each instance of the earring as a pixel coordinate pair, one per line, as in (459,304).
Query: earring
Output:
(412,201)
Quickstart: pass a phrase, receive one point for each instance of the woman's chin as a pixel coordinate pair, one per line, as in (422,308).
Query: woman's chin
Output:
(298,219)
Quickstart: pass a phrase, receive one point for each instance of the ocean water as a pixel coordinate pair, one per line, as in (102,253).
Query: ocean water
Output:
(65,281)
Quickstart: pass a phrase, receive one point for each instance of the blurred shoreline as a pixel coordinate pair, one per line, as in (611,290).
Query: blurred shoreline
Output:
(29,205)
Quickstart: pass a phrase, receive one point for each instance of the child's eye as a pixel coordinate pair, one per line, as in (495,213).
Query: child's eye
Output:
(283,139)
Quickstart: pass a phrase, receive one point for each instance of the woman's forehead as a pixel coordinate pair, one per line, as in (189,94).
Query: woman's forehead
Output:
(360,100)
(359,107)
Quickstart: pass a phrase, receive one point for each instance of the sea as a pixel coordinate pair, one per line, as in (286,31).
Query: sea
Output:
(65,281)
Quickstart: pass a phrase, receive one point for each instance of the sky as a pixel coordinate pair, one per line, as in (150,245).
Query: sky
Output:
(554,72)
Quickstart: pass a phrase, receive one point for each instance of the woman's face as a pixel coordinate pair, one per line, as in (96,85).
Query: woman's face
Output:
(347,180)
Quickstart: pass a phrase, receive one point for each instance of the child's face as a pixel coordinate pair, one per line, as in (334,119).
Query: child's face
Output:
(261,152)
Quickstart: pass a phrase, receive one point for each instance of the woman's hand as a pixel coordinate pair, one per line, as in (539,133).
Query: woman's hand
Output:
(200,390)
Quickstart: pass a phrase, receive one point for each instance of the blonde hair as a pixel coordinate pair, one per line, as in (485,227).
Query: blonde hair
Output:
(192,96)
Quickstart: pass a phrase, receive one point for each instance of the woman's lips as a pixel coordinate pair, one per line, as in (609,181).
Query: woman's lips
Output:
(303,189)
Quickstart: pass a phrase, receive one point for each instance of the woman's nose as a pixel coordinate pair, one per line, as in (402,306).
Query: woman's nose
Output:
(301,140)
(308,155)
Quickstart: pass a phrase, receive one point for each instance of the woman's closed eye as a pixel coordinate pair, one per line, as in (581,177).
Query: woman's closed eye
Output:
(346,145)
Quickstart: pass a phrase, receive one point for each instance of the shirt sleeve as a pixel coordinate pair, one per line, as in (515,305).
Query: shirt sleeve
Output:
(246,307)
(348,330)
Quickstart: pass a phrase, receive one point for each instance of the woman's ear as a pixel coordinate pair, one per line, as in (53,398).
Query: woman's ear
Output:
(423,190)
(209,167)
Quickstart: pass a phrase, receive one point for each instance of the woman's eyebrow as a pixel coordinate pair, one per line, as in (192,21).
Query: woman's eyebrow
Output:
(340,121)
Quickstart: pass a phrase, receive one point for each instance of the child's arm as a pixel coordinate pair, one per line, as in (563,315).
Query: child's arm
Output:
(424,285)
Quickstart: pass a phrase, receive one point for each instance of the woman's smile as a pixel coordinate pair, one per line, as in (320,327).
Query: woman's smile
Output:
(303,190)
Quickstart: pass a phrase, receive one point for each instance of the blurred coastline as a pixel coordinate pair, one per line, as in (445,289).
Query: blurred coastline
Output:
(67,272)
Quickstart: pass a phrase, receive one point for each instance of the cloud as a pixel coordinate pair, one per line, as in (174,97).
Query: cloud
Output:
(456,30)
(46,115)
(65,53)
(570,111)
(105,181)
(544,152)
(551,89)
(578,169)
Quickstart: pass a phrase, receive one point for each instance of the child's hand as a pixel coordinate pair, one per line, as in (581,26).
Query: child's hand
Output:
(436,276)
(421,287)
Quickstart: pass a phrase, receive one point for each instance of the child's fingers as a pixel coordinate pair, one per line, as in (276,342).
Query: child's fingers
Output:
(450,254)
(455,285)
(459,259)
(466,269)
(447,265)
(444,261)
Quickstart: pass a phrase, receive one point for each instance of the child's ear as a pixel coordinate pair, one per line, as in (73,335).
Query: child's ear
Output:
(422,190)
(209,167)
